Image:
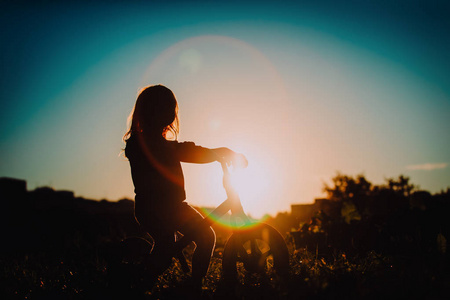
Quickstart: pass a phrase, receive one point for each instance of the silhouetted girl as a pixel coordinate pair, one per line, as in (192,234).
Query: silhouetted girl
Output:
(160,205)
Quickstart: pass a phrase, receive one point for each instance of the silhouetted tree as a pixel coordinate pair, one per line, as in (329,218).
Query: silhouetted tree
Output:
(401,186)
(352,194)
(394,217)
(346,187)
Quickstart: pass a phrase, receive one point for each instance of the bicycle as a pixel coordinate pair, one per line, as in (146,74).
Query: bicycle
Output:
(255,248)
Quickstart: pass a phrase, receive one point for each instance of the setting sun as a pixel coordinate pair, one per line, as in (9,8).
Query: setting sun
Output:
(252,184)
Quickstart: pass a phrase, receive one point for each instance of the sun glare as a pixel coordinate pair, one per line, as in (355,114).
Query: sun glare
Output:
(251,184)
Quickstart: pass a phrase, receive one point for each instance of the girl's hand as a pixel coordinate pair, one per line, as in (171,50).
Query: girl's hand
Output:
(230,158)
(239,161)
(236,160)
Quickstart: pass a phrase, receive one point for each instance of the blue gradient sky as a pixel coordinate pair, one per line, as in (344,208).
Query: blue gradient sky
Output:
(364,87)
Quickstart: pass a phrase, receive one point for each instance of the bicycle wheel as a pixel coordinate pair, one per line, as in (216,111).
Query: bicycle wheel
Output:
(260,249)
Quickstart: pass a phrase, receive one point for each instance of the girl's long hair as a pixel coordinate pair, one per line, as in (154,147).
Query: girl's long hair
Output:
(154,114)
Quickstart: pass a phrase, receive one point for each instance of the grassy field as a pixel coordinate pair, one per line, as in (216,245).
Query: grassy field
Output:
(82,274)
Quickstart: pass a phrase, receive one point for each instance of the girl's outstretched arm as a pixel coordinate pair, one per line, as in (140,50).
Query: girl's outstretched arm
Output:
(223,154)
(197,154)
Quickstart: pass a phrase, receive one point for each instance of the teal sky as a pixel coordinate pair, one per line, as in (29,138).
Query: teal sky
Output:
(305,89)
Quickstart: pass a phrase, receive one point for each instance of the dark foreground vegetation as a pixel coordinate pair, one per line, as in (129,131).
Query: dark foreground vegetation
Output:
(368,242)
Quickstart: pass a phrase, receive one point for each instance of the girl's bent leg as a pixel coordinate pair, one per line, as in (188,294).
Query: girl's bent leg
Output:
(202,235)
(205,239)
